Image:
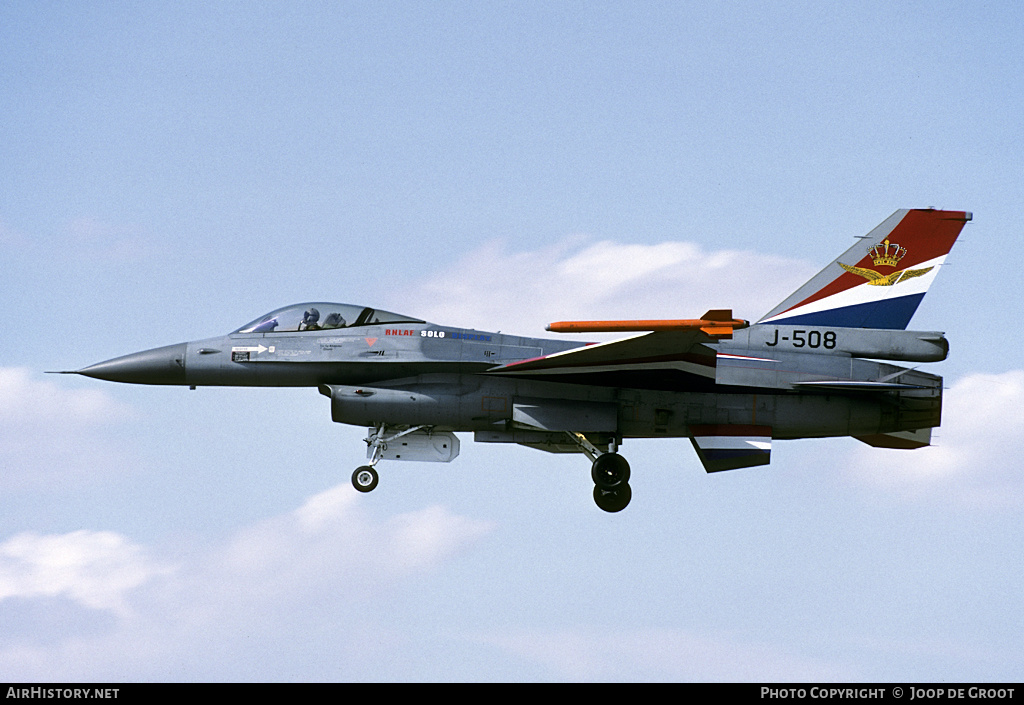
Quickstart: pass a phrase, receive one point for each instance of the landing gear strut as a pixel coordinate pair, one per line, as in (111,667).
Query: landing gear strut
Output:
(365,478)
(610,473)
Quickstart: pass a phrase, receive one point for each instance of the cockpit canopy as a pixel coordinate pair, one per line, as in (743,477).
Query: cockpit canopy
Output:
(321,316)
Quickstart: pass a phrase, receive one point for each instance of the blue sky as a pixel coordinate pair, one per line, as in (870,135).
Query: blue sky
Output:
(170,171)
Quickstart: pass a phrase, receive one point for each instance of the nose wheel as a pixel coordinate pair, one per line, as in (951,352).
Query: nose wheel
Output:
(365,478)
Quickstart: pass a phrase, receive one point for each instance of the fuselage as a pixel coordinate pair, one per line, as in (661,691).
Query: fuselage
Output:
(410,372)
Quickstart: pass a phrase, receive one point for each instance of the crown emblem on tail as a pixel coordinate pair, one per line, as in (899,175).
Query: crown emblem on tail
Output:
(886,253)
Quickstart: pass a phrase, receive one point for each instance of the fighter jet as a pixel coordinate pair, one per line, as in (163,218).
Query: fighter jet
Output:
(815,366)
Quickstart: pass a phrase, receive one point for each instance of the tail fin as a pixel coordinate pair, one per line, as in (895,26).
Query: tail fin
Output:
(880,281)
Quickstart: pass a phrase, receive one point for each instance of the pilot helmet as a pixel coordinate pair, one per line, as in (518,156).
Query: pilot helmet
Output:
(311,316)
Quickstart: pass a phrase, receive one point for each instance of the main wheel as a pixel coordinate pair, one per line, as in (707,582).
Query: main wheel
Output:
(364,478)
(610,470)
(614,499)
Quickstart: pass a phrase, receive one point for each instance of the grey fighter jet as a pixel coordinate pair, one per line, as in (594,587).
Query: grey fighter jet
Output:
(817,365)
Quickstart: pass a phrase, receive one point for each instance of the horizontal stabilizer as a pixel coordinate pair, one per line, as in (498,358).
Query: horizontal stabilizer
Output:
(730,447)
(900,440)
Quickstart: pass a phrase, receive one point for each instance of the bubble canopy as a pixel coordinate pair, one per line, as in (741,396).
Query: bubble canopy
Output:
(321,316)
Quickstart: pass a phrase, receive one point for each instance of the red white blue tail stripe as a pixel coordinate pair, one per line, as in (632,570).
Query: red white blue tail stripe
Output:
(880,281)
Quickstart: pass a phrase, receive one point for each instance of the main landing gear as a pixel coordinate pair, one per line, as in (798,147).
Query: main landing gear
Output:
(610,473)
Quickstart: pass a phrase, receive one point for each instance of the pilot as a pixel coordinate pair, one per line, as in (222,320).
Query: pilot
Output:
(334,320)
(310,319)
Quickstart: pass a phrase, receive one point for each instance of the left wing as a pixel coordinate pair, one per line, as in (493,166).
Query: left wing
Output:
(673,359)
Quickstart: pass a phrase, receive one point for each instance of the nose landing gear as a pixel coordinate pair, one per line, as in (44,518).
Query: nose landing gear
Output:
(365,478)
(421,443)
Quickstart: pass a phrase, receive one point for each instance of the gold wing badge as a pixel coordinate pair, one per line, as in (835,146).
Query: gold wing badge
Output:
(886,254)
(876,279)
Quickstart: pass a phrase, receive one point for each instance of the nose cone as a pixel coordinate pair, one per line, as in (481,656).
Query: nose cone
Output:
(164,365)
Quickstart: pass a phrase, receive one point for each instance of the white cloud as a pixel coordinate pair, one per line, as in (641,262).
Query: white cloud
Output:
(332,535)
(50,431)
(93,568)
(974,460)
(325,565)
(26,401)
(522,291)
